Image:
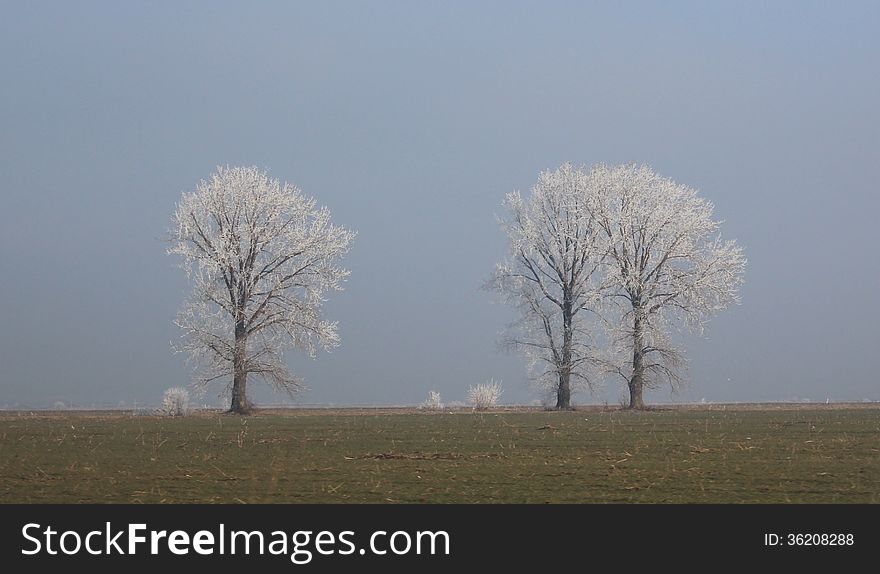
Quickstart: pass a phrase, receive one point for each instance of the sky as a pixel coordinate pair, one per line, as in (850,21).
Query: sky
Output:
(410,121)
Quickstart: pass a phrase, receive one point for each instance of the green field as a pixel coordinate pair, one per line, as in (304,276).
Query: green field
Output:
(685,455)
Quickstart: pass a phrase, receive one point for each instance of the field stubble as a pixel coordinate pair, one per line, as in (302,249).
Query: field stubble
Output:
(683,455)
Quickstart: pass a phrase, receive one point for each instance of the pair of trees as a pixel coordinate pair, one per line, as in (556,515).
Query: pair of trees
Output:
(614,250)
(603,263)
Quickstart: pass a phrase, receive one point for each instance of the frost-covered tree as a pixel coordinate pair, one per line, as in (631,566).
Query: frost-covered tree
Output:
(175,402)
(552,275)
(261,258)
(433,403)
(667,267)
(484,395)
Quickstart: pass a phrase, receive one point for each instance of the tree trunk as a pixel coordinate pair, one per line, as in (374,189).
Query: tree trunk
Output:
(563,390)
(636,383)
(240,404)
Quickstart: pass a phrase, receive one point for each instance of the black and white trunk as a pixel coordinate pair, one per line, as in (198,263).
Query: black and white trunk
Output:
(240,404)
(563,389)
(637,381)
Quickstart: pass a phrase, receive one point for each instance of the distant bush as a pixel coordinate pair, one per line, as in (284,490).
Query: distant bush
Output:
(175,402)
(484,395)
(433,402)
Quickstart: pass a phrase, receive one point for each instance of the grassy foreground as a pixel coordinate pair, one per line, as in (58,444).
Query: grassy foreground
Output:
(692,455)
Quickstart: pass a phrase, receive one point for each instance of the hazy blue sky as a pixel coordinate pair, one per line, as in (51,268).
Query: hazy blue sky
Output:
(411,120)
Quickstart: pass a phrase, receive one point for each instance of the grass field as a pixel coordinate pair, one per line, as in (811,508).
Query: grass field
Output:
(692,455)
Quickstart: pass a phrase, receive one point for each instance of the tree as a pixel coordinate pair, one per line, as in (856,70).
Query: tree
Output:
(484,396)
(551,275)
(175,402)
(260,257)
(668,265)
(433,403)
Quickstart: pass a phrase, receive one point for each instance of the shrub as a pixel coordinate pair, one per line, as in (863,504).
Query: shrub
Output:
(433,402)
(175,402)
(484,395)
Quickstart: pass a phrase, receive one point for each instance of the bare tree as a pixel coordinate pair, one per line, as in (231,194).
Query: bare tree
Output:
(668,266)
(433,403)
(175,402)
(260,257)
(484,395)
(551,275)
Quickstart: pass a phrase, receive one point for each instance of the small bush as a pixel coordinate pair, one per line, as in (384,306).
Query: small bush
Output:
(484,395)
(432,403)
(175,402)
